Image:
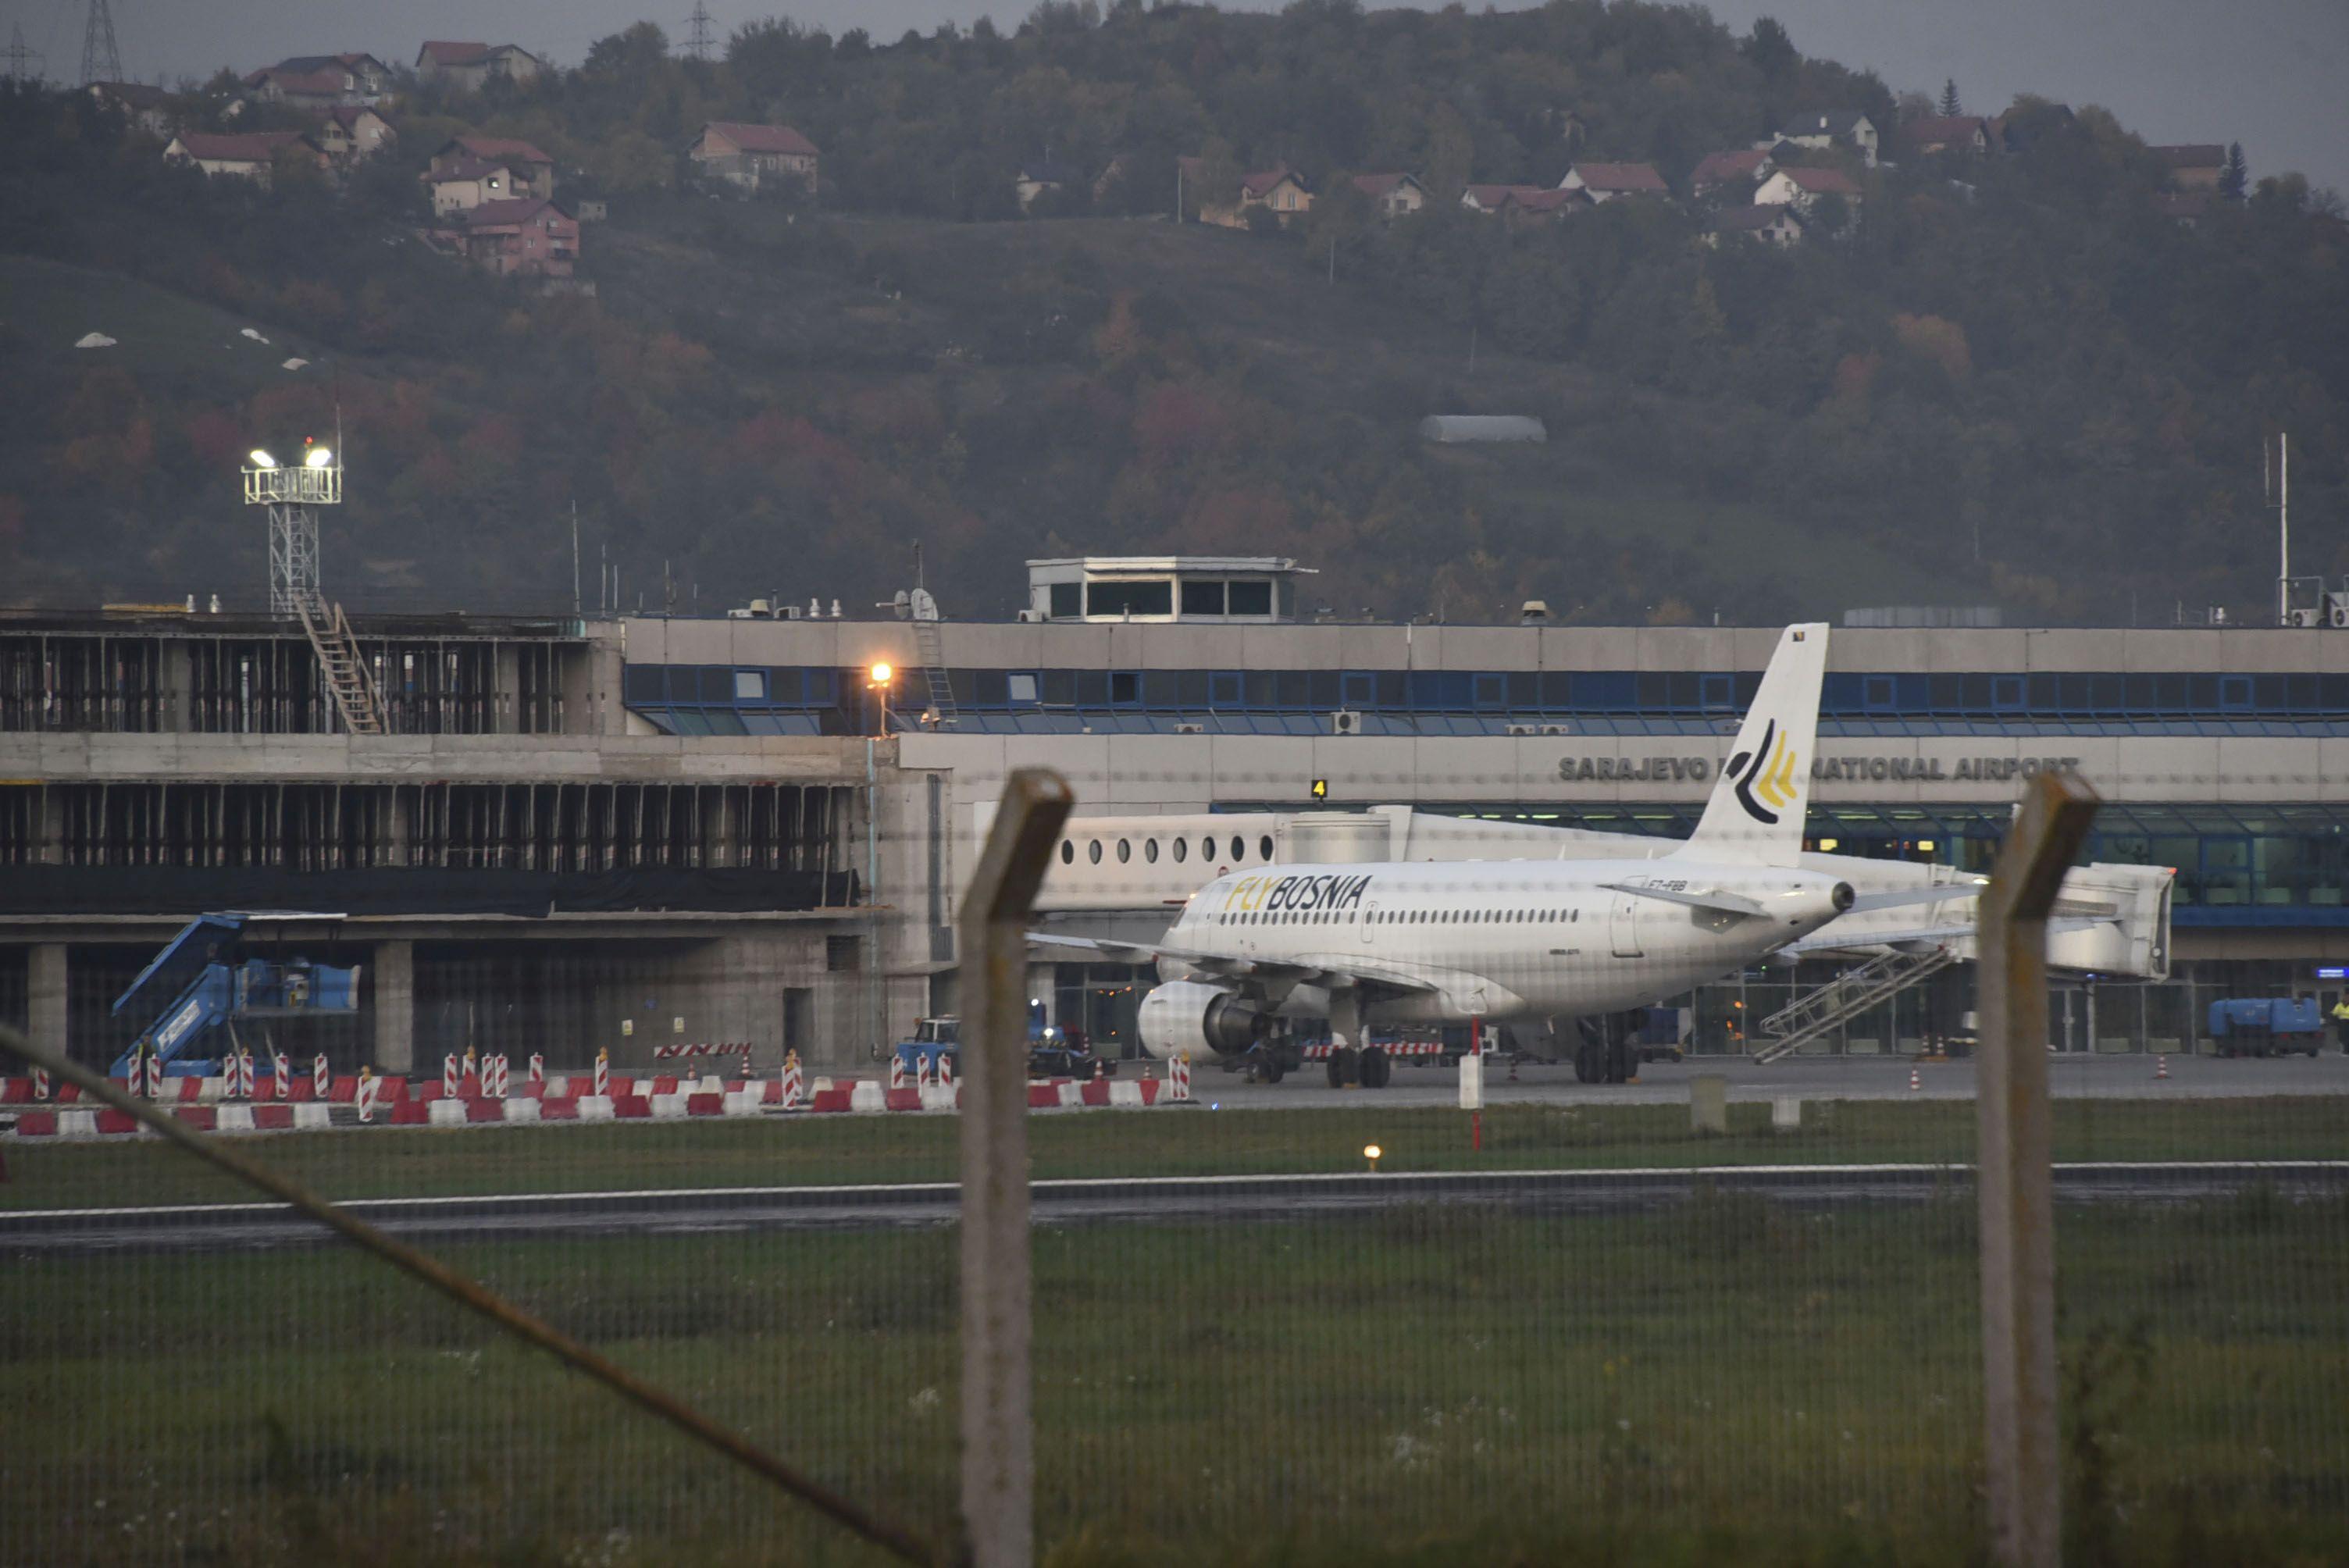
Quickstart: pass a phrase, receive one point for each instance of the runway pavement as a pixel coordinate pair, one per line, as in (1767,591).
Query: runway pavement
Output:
(247,1227)
(2074,1075)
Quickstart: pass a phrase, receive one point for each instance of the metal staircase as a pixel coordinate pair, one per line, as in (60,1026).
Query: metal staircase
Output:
(348,675)
(929,640)
(1847,995)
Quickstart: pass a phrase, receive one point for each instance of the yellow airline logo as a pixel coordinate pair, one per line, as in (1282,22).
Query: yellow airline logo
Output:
(1766,775)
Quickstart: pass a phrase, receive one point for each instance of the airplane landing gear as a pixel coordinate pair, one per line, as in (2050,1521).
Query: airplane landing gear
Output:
(1605,1054)
(1343,1067)
(1377,1067)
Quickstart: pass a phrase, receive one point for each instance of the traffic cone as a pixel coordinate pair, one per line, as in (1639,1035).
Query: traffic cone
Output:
(1915,1083)
(2161,1066)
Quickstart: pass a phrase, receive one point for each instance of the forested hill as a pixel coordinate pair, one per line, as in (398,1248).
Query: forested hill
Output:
(2035,376)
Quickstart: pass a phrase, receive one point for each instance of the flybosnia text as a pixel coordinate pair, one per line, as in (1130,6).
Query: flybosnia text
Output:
(1326,892)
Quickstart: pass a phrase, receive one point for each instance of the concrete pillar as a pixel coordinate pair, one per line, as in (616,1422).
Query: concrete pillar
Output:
(506,714)
(395,1008)
(45,1010)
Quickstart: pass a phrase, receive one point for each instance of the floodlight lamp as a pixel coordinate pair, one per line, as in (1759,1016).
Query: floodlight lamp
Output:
(261,459)
(1372,1151)
(880,674)
(318,458)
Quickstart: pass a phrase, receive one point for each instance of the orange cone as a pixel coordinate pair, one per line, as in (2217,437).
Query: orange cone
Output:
(1915,1083)
(2161,1066)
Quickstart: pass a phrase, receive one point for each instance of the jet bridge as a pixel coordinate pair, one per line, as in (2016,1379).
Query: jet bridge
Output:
(213,987)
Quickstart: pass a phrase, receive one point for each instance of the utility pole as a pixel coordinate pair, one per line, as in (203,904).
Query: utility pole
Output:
(696,37)
(17,55)
(575,556)
(101,61)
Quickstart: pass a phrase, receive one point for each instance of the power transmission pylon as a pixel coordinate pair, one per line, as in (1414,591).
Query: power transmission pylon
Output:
(698,40)
(17,55)
(101,61)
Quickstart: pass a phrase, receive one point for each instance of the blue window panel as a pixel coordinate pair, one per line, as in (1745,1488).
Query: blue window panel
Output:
(1258,688)
(1489,689)
(1223,688)
(715,684)
(660,718)
(822,688)
(689,722)
(786,687)
(2006,694)
(1878,693)
(1605,691)
(1441,691)
(1913,694)
(750,687)
(643,684)
(1717,692)
(1840,694)
(2234,693)
(1356,689)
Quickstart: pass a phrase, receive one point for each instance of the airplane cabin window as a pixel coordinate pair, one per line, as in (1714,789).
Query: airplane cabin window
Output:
(1092,851)
(1265,844)
(1239,847)
(1150,850)
(1068,852)
(1182,851)
(1125,851)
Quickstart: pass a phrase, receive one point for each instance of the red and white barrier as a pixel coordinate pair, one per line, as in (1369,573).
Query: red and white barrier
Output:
(736,1048)
(538,1069)
(792,1085)
(152,1067)
(41,1083)
(1404,1050)
(450,1077)
(923,1080)
(322,1078)
(1178,1077)
(367,1093)
(897,1071)
(494,1077)
(281,1075)
(946,1071)
(603,1077)
(243,1062)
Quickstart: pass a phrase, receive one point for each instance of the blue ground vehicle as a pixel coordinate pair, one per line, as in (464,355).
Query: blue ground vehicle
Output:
(205,987)
(2267,1025)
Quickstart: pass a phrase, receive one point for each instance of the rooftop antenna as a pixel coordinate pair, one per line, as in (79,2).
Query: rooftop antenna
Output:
(2283,524)
(101,61)
(17,55)
(697,38)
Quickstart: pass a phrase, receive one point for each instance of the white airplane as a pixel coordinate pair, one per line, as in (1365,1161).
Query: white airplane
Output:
(1423,942)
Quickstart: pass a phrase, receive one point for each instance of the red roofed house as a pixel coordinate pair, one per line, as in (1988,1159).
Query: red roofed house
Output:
(1763,225)
(526,237)
(469,182)
(1529,205)
(1946,133)
(1798,187)
(352,131)
(320,81)
(1493,198)
(1731,171)
(752,156)
(253,155)
(1614,182)
(533,171)
(470,67)
(1280,192)
(145,106)
(2195,167)
(1392,195)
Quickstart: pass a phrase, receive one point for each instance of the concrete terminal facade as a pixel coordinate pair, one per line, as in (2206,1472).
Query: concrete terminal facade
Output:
(625,831)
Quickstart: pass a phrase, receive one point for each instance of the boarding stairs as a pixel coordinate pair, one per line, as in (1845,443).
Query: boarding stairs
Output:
(339,660)
(1848,996)
(930,641)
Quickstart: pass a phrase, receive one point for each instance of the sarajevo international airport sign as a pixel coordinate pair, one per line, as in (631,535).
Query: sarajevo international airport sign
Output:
(1847,767)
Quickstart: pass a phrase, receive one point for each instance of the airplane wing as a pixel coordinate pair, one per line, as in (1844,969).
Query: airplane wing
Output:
(1825,941)
(1272,973)
(1712,899)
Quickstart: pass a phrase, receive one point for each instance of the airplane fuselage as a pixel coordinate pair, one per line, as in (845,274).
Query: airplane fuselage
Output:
(1500,939)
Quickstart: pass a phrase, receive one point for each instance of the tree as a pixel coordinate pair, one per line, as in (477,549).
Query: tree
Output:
(2235,179)
(1769,47)
(1950,105)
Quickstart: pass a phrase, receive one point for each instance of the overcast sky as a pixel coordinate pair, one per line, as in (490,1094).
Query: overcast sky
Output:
(2267,73)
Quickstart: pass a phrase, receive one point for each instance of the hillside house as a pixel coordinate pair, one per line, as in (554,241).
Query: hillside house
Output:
(1801,188)
(1277,190)
(350,131)
(1779,226)
(1527,207)
(1834,127)
(320,81)
(1962,133)
(248,155)
(469,67)
(1732,173)
(524,237)
(1493,199)
(2194,168)
(470,182)
(144,108)
(1043,177)
(755,157)
(2186,209)
(1605,182)
(1395,195)
(533,171)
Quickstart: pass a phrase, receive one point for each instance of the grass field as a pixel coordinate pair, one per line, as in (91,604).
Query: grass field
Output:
(1723,1382)
(811,1150)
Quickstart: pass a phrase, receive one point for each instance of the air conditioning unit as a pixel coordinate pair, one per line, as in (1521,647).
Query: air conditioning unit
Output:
(1027,617)
(1557,729)
(1190,729)
(1346,721)
(1524,729)
(2304,618)
(2336,610)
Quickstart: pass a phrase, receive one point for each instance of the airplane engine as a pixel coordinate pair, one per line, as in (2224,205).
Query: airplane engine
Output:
(1186,1016)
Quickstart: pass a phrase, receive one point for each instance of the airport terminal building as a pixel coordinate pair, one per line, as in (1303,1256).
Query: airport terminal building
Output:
(629,831)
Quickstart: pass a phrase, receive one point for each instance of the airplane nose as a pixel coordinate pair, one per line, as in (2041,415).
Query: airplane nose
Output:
(1843,897)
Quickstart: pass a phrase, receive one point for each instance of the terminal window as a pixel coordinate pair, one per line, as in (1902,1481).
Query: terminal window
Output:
(1147,596)
(1203,596)
(1067,600)
(1251,599)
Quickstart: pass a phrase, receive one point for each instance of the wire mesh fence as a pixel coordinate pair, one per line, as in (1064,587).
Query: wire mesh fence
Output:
(1656,1296)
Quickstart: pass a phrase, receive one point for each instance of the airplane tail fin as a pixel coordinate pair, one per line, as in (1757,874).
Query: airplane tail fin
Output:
(1758,801)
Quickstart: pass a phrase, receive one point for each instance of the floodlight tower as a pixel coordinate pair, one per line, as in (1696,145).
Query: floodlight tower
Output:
(291,491)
